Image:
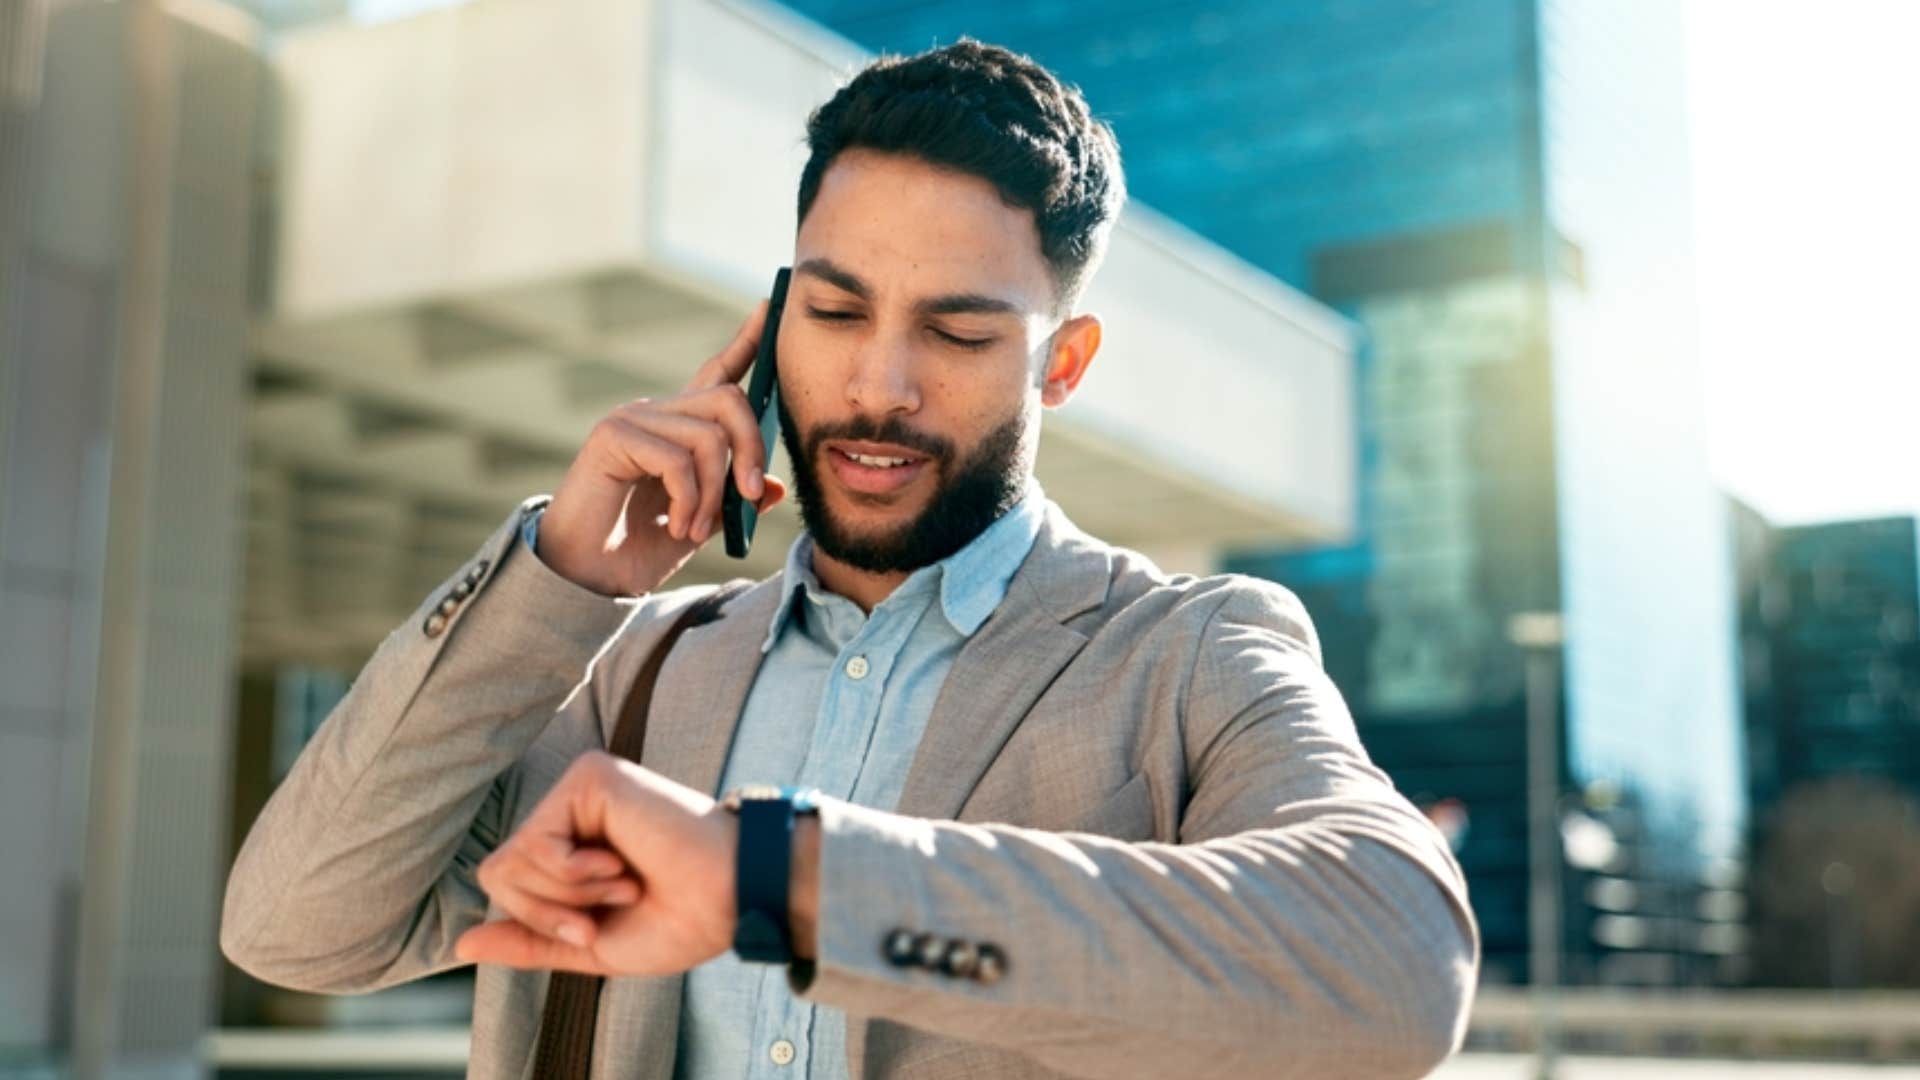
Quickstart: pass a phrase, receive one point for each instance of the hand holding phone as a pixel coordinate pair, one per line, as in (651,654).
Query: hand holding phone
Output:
(649,485)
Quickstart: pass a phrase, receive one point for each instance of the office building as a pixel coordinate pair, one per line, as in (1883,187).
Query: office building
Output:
(1842,674)
(1830,650)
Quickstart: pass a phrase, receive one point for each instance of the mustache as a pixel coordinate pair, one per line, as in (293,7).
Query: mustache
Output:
(891,430)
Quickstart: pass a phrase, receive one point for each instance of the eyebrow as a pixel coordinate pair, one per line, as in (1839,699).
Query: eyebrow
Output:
(950,304)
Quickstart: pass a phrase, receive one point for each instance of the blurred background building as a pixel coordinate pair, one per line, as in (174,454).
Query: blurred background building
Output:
(1830,621)
(298,298)
(1830,632)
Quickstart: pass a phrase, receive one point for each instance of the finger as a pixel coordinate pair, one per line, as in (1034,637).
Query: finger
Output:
(516,871)
(707,442)
(552,847)
(558,921)
(586,862)
(510,944)
(521,889)
(672,464)
(730,363)
(726,405)
(776,490)
(548,857)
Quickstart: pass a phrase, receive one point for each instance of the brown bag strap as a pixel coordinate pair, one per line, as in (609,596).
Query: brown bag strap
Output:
(565,1047)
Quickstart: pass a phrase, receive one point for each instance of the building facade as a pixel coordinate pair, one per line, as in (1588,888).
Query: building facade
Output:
(1830,649)
(1841,627)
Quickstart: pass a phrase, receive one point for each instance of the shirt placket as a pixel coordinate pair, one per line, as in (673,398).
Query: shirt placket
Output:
(850,707)
(849,711)
(783,1031)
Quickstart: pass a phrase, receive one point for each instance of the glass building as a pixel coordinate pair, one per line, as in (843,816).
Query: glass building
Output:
(1831,640)
(1498,192)
(1830,649)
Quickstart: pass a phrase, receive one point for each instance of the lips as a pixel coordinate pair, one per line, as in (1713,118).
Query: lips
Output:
(874,468)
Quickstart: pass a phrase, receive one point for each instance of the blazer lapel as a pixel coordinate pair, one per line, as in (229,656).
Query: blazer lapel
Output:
(1005,667)
(703,688)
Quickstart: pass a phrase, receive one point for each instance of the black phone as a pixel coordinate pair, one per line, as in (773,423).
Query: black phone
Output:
(738,515)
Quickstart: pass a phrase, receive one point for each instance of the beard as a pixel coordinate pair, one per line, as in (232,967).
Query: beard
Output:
(973,491)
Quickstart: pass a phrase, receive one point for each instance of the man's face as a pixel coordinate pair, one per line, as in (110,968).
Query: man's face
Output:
(915,327)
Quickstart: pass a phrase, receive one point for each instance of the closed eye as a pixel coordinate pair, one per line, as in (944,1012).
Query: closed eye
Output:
(831,315)
(971,344)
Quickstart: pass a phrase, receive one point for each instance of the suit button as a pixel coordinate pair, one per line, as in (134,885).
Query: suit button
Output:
(461,589)
(448,605)
(960,959)
(479,571)
(990,965)
(436,625)
(899,948)
(929,951)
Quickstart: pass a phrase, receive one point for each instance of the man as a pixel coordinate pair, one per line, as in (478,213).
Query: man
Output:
(1074,816)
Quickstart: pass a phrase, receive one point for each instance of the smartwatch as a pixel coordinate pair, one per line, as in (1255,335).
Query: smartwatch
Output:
(763,869)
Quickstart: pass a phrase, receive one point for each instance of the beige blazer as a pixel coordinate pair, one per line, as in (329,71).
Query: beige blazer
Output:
(1142,788)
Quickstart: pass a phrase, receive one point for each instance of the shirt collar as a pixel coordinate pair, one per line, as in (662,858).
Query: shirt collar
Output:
(972,580)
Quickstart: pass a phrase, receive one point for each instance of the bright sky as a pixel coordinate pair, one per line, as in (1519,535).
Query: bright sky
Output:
(1806,129)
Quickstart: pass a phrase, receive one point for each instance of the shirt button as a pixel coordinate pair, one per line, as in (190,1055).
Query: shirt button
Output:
(857,668)
(781,1052)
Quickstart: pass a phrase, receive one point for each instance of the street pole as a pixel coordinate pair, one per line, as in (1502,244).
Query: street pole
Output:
(1541,636)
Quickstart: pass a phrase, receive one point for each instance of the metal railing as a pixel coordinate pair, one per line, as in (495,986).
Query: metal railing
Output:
(1852,1026)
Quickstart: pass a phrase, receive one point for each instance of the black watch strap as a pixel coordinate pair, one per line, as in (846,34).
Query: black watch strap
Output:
(763,871)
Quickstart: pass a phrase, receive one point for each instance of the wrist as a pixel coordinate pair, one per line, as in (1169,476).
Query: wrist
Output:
(545,541)
(554,558)
(804,912)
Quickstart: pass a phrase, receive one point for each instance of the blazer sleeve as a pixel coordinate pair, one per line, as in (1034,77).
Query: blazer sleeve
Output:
(359,872)
(1310,923)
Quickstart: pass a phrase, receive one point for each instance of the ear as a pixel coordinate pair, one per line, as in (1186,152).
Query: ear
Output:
(1068,356)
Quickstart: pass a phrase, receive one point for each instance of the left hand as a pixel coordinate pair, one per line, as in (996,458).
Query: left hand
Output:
(668,906)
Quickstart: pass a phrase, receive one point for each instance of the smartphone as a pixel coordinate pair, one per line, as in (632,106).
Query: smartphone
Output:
(739,515)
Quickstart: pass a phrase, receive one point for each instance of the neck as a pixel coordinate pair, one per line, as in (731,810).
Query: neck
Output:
(864,587)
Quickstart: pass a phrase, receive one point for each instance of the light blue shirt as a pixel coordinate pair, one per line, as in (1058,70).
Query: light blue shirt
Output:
(839,704)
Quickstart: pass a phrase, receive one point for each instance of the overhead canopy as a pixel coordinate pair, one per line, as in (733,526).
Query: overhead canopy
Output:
(494,222)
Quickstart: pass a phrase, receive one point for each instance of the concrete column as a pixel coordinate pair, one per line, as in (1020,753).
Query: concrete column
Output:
(119,527)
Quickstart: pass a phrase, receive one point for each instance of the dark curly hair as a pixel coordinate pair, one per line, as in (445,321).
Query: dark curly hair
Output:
(992,113)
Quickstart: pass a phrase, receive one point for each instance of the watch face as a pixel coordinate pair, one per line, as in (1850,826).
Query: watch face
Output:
(805,800)
(749,792)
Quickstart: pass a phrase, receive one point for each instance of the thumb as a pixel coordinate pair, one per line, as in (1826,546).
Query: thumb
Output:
(775,490)
(509,944)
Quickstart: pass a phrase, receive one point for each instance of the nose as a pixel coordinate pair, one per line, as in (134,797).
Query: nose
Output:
(884,379)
